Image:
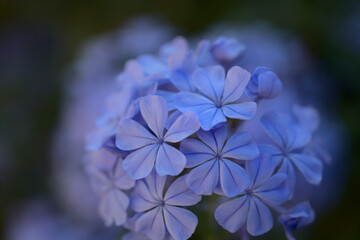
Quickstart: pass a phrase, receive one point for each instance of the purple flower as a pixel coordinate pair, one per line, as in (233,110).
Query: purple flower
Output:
(265,188)
(212,163)
(301,215)
(151,147)
(108,182)
(218,97)
(160,211)
(263,84)
(291,139)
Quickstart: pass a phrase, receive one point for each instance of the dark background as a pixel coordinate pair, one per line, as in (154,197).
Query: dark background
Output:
(39,38)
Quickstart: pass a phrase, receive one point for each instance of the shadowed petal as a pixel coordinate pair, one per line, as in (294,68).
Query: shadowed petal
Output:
(236,81)
(179,194)
(215,138)
(155,184)
(204,178)
(260,169)
(180,222)
(139,163)
(195,152)
(260,220)
(275,127)
(131,135)
(169,161)
(184,126)
(243,111)
(273,151)
(289,170)
(210,81)
(141,198)
(231,215)
(122,180)
(233,178)
(309,166)
(155,113)
(241,146)
(152,224)
(169,97)
(297,136)
(112,207)
(275,190)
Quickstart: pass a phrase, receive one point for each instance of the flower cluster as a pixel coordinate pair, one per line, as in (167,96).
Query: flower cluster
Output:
(171,133)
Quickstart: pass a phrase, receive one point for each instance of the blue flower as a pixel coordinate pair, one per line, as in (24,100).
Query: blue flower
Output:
(152,147)
(301,215)
(108,179)
(263,84)
(160,211)
(265,188)
(291,139)
(212,164)
(218,97)
(226,50)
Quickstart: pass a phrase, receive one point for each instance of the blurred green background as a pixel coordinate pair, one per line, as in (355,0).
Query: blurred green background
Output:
(39,38)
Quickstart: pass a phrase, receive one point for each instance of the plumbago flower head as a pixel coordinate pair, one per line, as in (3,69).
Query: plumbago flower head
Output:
(168,135)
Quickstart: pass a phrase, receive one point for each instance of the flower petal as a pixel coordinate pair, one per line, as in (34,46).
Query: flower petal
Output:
(275,190)
(154,110)
(241,146)
(289,170)
(235,83)
(204,178)
(210,81)
(131,135)
(260,220)
(169,97)
(152,224)
(122,180)
(195,152)
(156,184)
(141,198)
(179,194)
(139,163)
(211,117)
(275,126)
(309,166)
(180,222)
(260,169)
(169,161)
(215,138)
(188,101)
(297,136)
(273,151)
(112,207)
(232,214)
(243,111)
(184,126)
(233,178)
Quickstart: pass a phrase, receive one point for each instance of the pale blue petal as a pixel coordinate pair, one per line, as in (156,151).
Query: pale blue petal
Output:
(121,179)
(273,151)
(236,81)
(211,118)
(172,117)
(180,222)
(195,152)
(141,198)
(210,81)
(134,236)
(308,117)
(232,215)
(187,101)
(275,190)
(139,163)
(288,168)
(233,178)
(179,194)
(243,111)
(241,146)
(152,224)
(269,85)
(131,135)
(169,161)
(260,169)
(260,220)
(155,184)
(151,65)
(226,50)
(112,207)
(297,136)
(204,178)
(215,138)
(184,126)
(309,166)
(155,113)
(169,97)
(275,126)
(176,46)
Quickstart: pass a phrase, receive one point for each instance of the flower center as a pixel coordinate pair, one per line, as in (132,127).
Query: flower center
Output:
(218,156)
